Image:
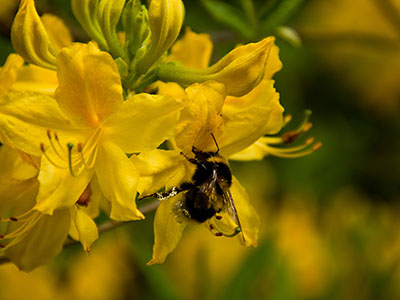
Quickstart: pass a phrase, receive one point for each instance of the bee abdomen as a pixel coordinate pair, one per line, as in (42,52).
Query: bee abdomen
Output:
(198,206)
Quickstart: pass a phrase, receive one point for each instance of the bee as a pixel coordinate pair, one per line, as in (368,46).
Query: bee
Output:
(208,192)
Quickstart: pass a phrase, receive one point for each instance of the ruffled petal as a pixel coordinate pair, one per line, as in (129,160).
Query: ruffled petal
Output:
(25,118)
(167,230)
(243,68)
(13,167)
(250,117)
(83,228)
(8,73)
(57,30)
(201,116)
(36,79)
(89,84)
(118,179)
(143,122)
(161,169)
(193,50)
(44,241)
(58,188)
(248,216)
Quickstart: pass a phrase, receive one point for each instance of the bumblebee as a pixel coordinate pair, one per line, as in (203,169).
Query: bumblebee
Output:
(208,192)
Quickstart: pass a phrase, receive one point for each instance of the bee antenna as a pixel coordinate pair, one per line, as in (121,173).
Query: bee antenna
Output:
(215,141)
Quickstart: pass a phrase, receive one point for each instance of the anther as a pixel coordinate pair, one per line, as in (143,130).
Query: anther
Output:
(309,141)
(307,127)
(219,234)
(80,147)
(49,134)
(287,119)
(2,246)
(1,236)
(13,219)
(211,227)
(317,146)
(42,147)
(218,217)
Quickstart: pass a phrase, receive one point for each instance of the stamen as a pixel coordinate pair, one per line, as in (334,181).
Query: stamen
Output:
(219,234)
(218,217)
(21,231)
(287,119)
(48,157)
(70,146)
(52,144)
(58,142)
(235,232)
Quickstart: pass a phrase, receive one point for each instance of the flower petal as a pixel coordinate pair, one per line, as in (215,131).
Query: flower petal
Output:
(43,242)
(83,228)
(161,169)
(36,79)
(8,73)
(118,179)
(90,86)
(167,230)
(30,38)
(58,188)
(57,30)
(143,122)
(248,216)
(25,112)
(250,117)
(201,116)
(193,50)
(243,68)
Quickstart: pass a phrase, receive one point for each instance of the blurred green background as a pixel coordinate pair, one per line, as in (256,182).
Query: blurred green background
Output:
(330,228)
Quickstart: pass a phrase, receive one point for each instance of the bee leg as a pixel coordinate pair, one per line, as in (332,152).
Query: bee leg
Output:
(163,195)
(192,160)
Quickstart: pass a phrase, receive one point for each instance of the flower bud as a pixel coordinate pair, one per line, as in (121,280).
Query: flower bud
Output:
(165,18)
(30,38)
(240,70)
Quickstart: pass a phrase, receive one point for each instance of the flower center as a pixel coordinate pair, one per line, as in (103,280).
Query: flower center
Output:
(76,157)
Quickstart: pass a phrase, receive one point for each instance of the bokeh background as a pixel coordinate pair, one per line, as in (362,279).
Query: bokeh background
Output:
(330,225)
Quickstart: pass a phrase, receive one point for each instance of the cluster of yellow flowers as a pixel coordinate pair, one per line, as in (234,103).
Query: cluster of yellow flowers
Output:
(96,126)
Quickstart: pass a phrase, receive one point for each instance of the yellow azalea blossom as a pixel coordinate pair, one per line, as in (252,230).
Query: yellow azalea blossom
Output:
(264,146)
(165,20)
(16,76)
(86,130)
(33,239)
(240,70)
(235,126)
(30,37)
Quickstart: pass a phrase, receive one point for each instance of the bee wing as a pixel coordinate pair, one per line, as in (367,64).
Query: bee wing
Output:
(230,206)
(209,186)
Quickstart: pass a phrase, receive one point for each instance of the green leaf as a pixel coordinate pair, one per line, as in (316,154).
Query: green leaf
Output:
(230,16)
(280,15)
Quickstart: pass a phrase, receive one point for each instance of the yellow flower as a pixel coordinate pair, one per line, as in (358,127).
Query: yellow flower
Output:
(240,70)
(14,76)
(235,126)
(165,20)
(86,130)
(31,39)
(30,239)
